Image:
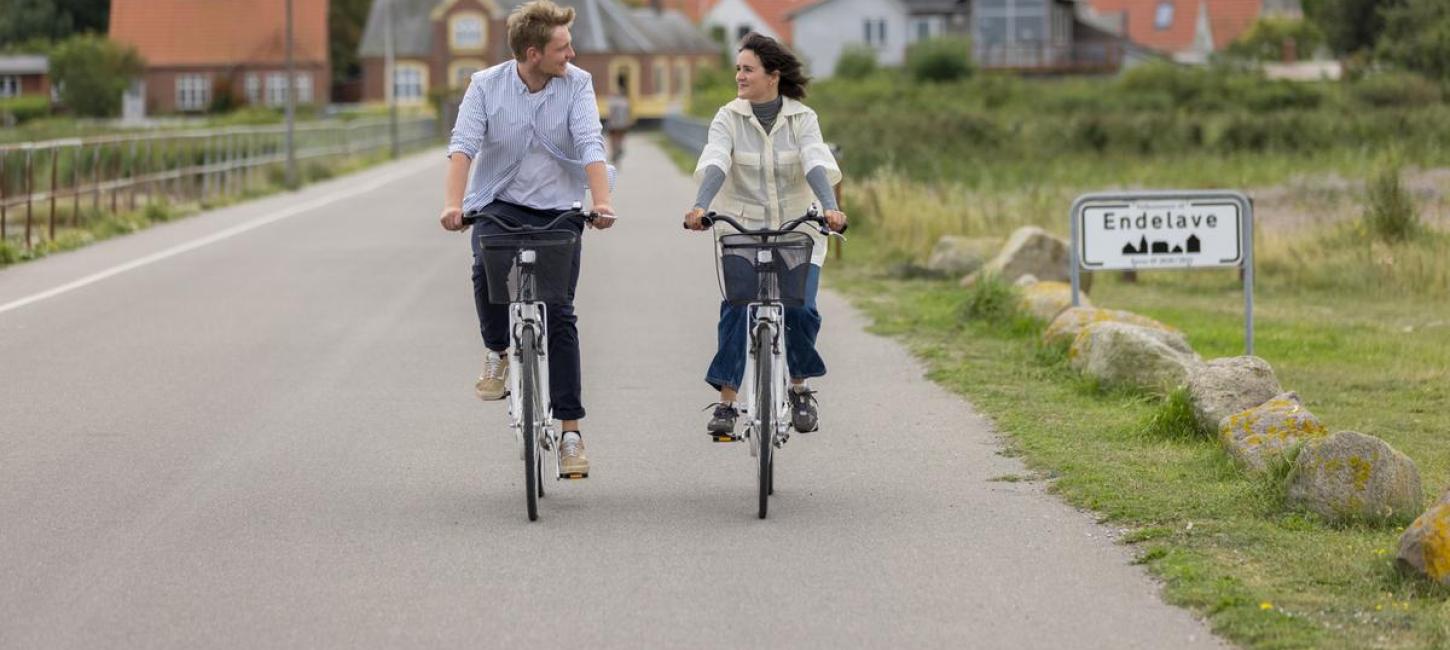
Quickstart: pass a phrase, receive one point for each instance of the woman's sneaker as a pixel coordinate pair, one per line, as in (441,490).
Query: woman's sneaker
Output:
(492,383)
(803,409)
(722,422)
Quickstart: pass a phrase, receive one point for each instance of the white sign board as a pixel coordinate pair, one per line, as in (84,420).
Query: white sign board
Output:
(1159,233)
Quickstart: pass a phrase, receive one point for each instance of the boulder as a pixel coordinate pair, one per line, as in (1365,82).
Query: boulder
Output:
(1045,300)
(1230,385)
(1261,437)
(1071,321)
(1026,281)
(955,256)
(1425,545)
(1119,354)
(1351,476)
(1031,250)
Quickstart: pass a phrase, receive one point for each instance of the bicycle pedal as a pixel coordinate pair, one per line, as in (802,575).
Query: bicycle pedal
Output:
(575,476)
(720,438)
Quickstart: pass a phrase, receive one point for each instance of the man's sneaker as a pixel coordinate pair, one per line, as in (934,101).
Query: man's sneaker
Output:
(572,461)
(803,409)
(722,422)
(493,383)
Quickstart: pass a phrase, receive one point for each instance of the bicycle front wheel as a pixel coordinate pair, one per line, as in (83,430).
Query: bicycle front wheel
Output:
(765,406)
(529,419)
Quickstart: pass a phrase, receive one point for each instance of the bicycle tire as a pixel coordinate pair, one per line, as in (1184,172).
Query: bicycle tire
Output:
(528,376)
(765,405)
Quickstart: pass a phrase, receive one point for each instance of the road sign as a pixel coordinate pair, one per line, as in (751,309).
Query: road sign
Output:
(1159,234)
(1125,231)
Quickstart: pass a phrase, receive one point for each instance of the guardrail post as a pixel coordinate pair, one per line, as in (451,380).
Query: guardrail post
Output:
(29,192)
(54,179)
(96,178)
(75,183)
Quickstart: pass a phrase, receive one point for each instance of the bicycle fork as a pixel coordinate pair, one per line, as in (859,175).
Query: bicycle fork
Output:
(772,317)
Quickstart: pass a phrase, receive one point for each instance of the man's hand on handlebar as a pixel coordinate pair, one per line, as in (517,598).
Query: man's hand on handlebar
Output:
(452,219)
(603,217)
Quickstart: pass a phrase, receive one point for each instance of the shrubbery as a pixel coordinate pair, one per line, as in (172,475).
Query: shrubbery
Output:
(19,110)
(940,59)
(857,61)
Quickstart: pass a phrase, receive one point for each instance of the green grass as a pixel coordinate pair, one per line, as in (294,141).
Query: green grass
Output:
(1224,543)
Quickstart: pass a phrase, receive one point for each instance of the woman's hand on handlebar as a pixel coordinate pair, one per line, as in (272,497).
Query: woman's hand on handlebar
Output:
(603,217)
(836,220)
(693,219)
(452,219)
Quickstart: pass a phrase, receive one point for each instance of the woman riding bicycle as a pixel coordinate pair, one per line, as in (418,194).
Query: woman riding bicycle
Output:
(766,153)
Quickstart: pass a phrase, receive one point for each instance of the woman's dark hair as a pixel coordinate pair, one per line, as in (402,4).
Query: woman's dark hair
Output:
(776,58)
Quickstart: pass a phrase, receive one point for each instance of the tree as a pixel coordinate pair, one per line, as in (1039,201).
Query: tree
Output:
(31,21)
(346,20)
(92,72)
(1417,37)
(1349,25)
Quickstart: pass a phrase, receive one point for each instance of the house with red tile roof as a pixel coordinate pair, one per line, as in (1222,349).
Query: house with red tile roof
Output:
(197,52)
(23,75)
(736,18)
(1190,30)
(650,54)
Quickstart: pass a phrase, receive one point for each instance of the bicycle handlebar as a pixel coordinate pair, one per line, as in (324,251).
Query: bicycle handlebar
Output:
(576,212)
(812,216)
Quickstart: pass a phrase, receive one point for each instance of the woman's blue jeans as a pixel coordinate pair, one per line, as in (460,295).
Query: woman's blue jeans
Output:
(801,326)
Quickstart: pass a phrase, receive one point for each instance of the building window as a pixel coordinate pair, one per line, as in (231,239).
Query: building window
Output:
(1163,17)
(661,78)
(276,89)
(193,92)
(254,88)
(460,71)
(682,78)
(466,32)
(304,88)
(410,82)
(876,32)
(741,31)
(9,86)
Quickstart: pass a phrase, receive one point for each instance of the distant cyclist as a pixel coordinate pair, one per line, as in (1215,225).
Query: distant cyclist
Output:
(765,162)
(533,125)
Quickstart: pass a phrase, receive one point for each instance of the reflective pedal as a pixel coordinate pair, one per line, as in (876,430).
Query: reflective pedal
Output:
(719,438)
(575,476)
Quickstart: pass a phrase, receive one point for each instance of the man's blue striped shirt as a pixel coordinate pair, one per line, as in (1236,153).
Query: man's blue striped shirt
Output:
(497,125)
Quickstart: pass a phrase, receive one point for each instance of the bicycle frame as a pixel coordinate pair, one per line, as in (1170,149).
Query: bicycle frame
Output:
(769,319)
(531,314)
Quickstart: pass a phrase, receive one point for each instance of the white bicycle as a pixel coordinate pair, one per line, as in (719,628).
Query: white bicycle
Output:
(765,270)
(529,268)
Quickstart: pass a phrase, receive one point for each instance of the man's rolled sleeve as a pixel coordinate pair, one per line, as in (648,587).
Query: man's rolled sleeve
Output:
(472,122)
(584,123)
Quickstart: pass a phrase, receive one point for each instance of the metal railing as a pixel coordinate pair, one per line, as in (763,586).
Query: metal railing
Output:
(62,177)
(1105,56)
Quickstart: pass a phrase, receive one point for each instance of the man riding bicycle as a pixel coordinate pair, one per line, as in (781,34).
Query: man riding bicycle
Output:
(535,124)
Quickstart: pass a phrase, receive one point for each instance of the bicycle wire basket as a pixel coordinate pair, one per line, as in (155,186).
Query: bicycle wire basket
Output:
(553,265)
(766,267)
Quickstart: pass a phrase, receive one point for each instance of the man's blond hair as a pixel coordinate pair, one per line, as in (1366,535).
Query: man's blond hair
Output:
(533,23)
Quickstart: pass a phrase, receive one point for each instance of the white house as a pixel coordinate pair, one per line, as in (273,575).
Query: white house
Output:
(824,29)
(740,17)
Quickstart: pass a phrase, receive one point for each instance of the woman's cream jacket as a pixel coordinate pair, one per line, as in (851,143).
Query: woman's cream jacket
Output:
(765,173)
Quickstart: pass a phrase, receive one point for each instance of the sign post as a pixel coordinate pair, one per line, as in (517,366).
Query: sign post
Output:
(1121,231)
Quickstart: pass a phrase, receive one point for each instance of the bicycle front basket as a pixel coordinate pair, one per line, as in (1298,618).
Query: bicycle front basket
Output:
(553,265)
(771,267)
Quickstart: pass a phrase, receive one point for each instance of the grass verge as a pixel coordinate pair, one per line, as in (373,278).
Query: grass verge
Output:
(1223,543)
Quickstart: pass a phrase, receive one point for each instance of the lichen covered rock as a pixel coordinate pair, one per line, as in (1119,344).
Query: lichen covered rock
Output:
(1030,250)
(1260,437)
(1425,545)
(1352,476)
(954,256)
(1119,354)
(1223,387)
(1073,320)
(1045,300)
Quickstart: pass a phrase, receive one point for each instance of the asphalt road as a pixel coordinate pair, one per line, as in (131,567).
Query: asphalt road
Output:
(255,428)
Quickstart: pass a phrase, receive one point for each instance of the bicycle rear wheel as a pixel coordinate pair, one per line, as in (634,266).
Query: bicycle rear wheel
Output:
(529,418)
(765,406)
